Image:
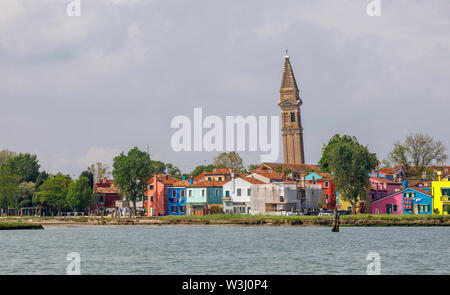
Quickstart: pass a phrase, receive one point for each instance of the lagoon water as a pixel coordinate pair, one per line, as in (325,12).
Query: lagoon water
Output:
(225,250)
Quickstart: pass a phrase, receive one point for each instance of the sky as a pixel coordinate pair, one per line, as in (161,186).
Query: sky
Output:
(77,90)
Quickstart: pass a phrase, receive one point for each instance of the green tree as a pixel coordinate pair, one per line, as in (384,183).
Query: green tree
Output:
(5,155)
(26,166)
(351,163)
(158,167)
(53,192)
(173,171)
(89,176)
(26,191)
(42,177)
(416,153)
(326,150)
(131,174)
(202,168)
(252,167)
(9,187)
(228,160)
(80,194)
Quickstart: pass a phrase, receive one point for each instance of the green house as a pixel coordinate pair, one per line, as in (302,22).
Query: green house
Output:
(202,196)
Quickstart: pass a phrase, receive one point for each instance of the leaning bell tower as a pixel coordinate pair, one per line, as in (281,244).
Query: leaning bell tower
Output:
(291,130)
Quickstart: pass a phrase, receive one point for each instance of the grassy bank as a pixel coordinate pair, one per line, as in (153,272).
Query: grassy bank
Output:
(346,220)
(19,225)
(237,219)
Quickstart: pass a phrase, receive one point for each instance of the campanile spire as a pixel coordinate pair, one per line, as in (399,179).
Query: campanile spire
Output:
(290,102)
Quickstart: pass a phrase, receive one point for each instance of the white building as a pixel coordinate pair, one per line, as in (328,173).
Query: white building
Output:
(313,196)
(275,198)
(237,194)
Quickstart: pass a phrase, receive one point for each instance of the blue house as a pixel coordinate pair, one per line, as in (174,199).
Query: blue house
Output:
(176,199)
(417,201)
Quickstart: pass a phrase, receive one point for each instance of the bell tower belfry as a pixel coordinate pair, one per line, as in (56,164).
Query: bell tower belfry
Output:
(291,130)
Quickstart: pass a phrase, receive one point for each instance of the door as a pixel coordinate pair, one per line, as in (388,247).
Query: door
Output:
(388,208)
(416,209)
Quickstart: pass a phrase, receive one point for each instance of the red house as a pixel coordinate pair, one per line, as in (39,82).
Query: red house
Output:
(106,195)
(156,197)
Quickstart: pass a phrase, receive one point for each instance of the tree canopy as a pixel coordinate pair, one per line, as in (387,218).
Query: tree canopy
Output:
(350,162)
(229,160)
(131,173)
(79,195)
(52,193)
(25,166)
(9,187)
(417,152)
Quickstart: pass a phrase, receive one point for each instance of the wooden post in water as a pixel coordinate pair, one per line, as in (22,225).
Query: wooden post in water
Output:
(335,226)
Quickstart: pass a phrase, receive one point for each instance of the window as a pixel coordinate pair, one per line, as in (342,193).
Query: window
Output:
(248,192)
(151,199)
(281,199)
(146,198)
(151,187)
(227,193)
(239,192)
(182,193)
(395,208)
(424,208)
(217,192)
(209,178)
(190,193)
(292,117)
(182,209)
(326,183)
(174,193)
(174,209)
(220,178)
(203,192)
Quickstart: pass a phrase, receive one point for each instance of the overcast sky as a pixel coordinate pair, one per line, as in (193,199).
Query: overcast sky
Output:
(77,90)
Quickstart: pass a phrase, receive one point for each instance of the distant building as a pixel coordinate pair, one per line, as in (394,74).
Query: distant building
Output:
(381,187)
(204,197)
(409,200)
(441,194)
(275,198)
(176,200)
(221,174)
(328,200)
(313,197)
(106,195)
(156,201)
(236,194)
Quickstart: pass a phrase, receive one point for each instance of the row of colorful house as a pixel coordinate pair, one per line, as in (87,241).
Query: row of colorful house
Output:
(303,188)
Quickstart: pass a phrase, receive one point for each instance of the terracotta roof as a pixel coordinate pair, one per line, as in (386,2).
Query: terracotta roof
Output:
(270,175)
(207,183)
(252,180)
(107,190)
(220,171)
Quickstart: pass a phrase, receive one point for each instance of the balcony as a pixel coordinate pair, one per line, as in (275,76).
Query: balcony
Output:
(445,198)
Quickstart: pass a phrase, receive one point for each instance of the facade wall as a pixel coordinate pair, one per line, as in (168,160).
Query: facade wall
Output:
(157,203)
(441,191)
(176,197)
(237,203)
(394,201)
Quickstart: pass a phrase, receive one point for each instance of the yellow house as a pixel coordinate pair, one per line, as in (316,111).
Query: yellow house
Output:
(441,194)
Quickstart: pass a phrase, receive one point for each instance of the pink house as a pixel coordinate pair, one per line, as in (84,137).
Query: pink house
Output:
(381,187)
(392,204)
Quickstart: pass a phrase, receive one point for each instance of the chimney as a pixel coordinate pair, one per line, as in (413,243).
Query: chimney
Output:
(191,181)
(439,173)
(404,184)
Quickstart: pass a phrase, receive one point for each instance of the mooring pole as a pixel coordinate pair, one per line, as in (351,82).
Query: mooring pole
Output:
(335,226)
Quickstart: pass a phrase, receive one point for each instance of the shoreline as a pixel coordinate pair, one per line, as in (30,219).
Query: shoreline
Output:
(223,219)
